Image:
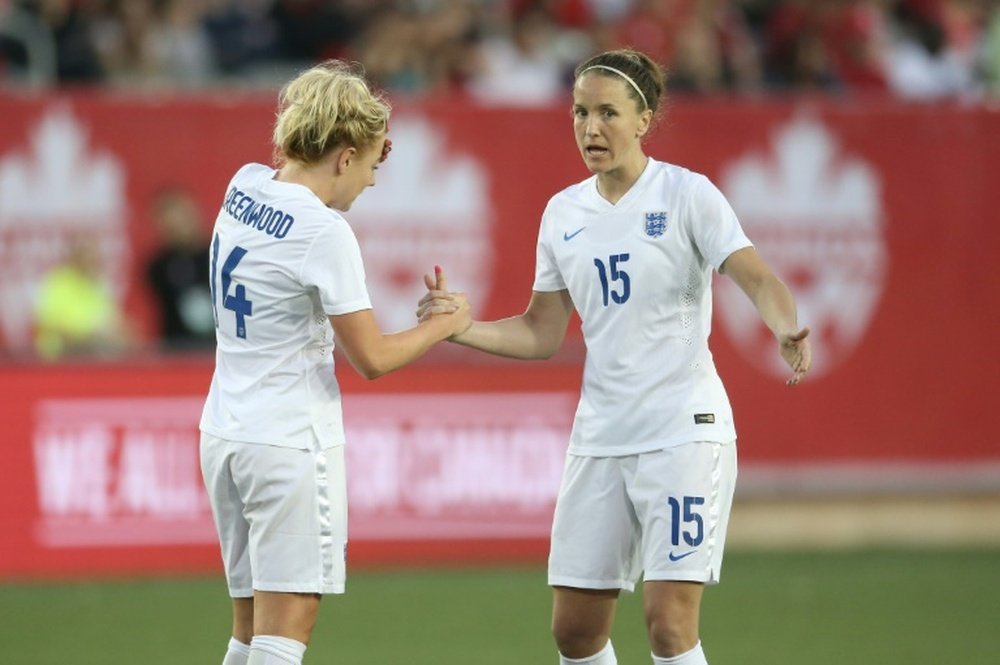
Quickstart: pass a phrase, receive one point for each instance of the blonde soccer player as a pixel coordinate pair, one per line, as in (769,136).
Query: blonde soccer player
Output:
(288,281)
(651,464)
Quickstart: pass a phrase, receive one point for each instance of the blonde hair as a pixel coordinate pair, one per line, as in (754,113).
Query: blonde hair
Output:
(325,107)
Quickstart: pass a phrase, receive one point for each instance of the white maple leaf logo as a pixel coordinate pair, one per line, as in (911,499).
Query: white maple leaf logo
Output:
(59,187)
(429,206)
(815,215)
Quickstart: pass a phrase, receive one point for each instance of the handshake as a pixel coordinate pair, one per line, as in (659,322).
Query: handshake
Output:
(440,302)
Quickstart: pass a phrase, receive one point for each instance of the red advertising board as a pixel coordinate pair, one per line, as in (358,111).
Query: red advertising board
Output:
(102,471)
(879,216)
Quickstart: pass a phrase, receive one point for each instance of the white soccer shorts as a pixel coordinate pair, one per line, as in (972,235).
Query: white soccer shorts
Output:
(661,514)
(281,515)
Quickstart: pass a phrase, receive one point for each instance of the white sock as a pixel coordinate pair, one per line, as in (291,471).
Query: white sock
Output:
(275,650)
(693,657)
(605,656)
(237,653)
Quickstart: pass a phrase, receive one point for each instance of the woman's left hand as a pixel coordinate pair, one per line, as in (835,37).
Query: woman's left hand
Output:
(796,351)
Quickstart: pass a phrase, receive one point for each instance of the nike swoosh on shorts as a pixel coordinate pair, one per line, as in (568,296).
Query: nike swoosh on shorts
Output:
(678,557)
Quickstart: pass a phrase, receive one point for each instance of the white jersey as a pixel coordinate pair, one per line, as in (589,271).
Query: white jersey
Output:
(640,275)
(281,263)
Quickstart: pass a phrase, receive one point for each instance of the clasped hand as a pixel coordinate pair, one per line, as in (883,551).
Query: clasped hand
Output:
(439,301)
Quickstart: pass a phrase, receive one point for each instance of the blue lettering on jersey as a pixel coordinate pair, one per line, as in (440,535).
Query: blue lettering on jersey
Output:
(241,205)
(261,217)
(230,195)
(656,224)
(251,214)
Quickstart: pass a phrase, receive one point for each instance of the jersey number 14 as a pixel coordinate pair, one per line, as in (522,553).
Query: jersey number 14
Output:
(237,302)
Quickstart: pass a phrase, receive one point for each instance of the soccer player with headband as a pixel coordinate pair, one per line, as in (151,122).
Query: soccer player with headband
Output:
(651,465)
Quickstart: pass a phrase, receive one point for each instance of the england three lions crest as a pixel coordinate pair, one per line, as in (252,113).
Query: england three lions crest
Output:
(656,224)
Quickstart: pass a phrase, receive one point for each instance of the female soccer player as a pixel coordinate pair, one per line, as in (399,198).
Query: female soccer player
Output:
(287,280)
(651,465)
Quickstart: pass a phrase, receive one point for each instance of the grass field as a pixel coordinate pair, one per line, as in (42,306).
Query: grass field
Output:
(912,607)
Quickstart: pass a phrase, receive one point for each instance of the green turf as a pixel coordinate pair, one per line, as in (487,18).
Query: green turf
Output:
(912,607)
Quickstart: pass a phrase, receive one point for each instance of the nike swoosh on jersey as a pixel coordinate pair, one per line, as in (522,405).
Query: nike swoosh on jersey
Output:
(678,557)
(570,236)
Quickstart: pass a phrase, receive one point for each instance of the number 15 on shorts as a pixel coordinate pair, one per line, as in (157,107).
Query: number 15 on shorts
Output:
(686,521)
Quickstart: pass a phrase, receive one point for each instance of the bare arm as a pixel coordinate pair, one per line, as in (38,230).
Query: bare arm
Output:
(374,353)
(536,334)
(775,304)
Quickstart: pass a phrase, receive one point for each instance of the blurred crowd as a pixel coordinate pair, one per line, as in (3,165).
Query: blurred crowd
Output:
(510,51)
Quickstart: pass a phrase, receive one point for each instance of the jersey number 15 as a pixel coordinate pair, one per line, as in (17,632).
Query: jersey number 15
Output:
(617,275)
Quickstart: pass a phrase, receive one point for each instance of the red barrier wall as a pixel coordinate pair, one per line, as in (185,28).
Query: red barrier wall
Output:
(880,217)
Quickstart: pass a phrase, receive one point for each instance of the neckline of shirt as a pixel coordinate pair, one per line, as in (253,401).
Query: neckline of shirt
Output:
(628,196)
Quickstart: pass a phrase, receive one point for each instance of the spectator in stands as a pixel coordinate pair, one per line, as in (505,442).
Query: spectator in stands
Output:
(76,312)
(146,44)
(76,57)
(922,64)
(609,11)
(448,37)
(522,70)
(26,49)
(288,280)
(420,48)
(651,466)
(125,44)
(991,52)
(714,50)
(182,45)
(795,54)
(651,27)
(855,39)
(178,273)
(394,52)
(242,34)
(312,30)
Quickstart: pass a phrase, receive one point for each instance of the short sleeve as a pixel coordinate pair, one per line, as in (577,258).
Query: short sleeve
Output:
(547,275)
(333,265)
(714,226)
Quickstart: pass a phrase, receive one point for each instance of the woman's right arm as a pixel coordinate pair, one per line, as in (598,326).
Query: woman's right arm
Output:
(374,353)
(536,334)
